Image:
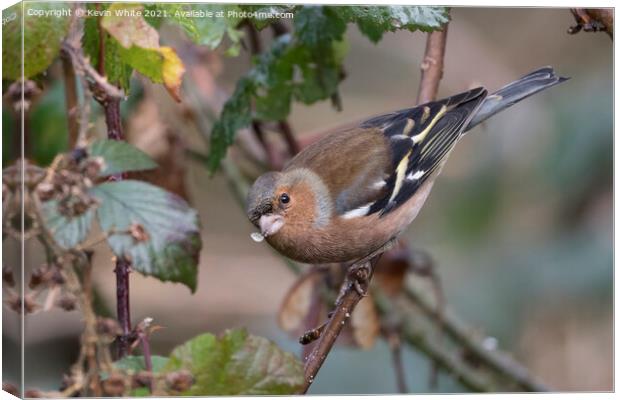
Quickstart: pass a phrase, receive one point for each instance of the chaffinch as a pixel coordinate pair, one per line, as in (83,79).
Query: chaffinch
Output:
(352,192)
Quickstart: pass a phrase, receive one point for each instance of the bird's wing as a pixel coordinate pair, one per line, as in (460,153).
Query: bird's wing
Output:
(420,139)
(380,164)
(352,163)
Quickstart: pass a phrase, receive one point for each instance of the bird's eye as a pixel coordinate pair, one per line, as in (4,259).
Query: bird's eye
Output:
(284,199)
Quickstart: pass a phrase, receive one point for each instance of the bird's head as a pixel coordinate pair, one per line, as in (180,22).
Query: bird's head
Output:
(267,202)
(293,201)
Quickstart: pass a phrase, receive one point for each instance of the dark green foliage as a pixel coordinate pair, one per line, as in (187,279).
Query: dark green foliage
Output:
(306,65)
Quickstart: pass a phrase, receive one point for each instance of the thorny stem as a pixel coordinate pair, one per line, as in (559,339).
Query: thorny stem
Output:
(112,111)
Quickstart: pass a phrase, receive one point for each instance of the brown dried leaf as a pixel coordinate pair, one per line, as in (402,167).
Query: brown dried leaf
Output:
(365,323)
(298,302)
(392,268)
(130,30)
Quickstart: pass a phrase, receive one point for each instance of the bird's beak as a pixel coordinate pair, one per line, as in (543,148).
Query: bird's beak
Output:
(270,224)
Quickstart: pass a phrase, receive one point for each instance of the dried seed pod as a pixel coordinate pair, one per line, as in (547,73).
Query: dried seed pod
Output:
(114,385)
(78,154)
(7,276)
(39,275)
(46,191)
(141,379)
(108,327)
(67,302)
(14,94)
(15,304)
(179,381)
(56,275)
(92,167)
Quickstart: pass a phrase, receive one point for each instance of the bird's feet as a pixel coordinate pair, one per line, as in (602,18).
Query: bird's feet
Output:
(359,275)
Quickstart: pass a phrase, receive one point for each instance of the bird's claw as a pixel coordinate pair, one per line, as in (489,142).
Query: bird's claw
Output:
(360,275)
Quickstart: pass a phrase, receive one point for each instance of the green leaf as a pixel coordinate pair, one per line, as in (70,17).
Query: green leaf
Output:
(307,65)
(68,232)
(45,26)
(116,69)
(133,364)
(218,21)
(139,47)
(272,85)
(120,156)
(318,26)
(262,15)
(173,13)
(237,363)
(236,114)
(374,21)
(170,249)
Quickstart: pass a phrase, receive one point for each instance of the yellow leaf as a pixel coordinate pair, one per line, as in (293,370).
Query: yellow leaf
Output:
(172,72)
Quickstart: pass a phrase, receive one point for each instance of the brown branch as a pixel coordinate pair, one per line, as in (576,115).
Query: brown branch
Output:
(71,99)
(593,20)
(394,341)
(432,65)
(293,145)
(493,360)
(109,97)
(348,299)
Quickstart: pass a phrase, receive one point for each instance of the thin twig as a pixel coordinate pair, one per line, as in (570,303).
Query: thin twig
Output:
(491,359)
(432,65)
(109,97)
(75,66)
(71,99)
(394,342)
(475,379)
(341,313)
(290,139)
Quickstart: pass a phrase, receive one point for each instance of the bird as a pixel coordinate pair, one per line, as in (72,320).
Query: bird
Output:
(353,192)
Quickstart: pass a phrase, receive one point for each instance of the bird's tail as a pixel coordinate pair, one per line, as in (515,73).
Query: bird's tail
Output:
(514,92)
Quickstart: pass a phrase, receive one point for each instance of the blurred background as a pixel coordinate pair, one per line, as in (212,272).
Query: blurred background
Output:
(519,225)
